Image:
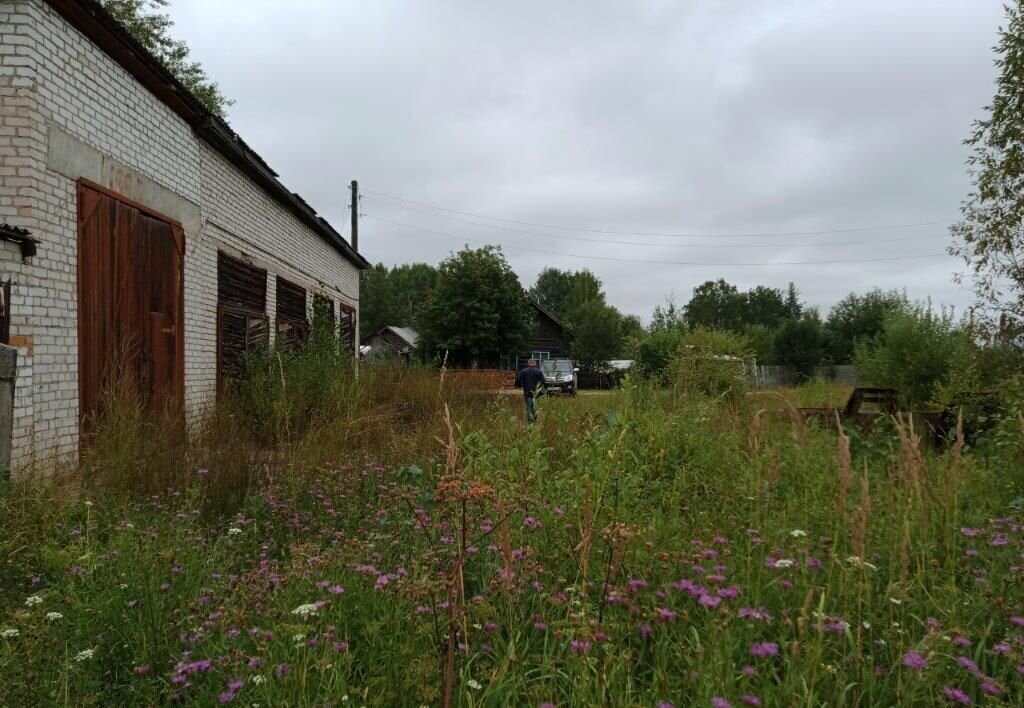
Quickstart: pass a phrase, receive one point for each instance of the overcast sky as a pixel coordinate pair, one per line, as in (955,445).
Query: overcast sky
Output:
(657,117)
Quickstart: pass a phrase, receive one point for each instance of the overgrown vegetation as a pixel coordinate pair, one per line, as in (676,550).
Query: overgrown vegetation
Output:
(151,26)
(406,540)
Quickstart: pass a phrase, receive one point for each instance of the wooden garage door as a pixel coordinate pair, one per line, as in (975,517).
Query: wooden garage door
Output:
(130,302)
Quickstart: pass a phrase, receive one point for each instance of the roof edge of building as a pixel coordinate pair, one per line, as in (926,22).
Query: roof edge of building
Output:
(91,19)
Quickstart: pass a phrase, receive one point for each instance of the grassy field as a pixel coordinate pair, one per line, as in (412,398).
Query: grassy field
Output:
(417,544)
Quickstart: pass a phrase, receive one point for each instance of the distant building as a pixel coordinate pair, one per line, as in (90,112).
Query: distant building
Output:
(550,339)
(391,342)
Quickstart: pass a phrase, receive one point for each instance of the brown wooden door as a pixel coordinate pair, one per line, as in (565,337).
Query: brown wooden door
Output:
(130,303)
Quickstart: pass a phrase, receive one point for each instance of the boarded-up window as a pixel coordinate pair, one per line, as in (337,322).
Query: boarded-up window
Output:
(348,328)
(5,312)
(242,325)
(292,325)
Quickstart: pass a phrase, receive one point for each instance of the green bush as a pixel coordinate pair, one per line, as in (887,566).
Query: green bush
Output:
(712,363)
(914,354)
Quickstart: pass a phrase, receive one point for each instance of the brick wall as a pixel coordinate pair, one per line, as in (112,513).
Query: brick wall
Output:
(53,79)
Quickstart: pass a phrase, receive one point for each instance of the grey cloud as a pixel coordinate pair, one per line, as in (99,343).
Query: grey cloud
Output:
(749,116)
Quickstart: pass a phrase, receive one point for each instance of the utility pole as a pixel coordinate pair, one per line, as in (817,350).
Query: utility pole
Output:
(355,215)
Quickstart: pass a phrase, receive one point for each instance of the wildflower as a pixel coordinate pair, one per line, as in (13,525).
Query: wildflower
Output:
(783,563)
(991,688)
(341,647)
(729,593)
(579,646)
(474,684)
(914,660)
(665,614)
(298,638)
(336,590)
(255,662)
(532,523)
(1002,648)
(142,671)
(764,649)
(710,601)
(9,633)
(972,533)
(860,563)
(797,533)
(257,680)
(755,613)
(895,601)
(719,702)
(961,641)
(751,700)
(966,663)
(546,704)
(666,704)
(84,655)
(234,531)
(54,616)
(305,610)
(644,629)
(32,600)
(1018,621)
(955,695)
(1001,539)
(749,671)
(281,670)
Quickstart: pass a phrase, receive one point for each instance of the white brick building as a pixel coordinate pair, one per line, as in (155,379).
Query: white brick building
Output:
(101,151)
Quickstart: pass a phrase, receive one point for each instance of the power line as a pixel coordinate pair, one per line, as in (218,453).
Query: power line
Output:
(658,262)
(662,245)
(889,227)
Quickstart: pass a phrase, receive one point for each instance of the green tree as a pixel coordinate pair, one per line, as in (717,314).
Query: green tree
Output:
(393,296)
(858,317)
(762,343)
(764,306)
(667,316)
(551,289)
(715,305)
(989,237)
(477,310)
(596,334)
(794,308)
(631,331)
(656,351)
(585,288)
(800,344)
(914,353)
(146,22)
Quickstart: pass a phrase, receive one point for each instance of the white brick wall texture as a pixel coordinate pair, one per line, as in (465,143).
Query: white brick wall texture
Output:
(52,77)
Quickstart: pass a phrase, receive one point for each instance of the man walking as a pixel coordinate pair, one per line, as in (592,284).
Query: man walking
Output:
(529,378)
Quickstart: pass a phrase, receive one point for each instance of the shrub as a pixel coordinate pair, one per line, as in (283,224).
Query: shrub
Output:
(654,353)
(712,363)
(914,354)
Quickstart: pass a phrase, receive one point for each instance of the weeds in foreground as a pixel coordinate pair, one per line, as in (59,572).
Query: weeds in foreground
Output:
(631,549)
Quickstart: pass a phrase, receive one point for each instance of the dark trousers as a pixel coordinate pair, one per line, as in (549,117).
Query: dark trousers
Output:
(531,411)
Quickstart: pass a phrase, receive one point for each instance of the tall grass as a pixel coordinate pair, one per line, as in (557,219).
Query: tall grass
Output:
(634,548)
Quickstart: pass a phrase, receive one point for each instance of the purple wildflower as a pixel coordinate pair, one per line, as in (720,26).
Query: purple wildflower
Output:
(1002,648)
(914,660)
(751,700)
(579,646)
(962,641)
(226,697)
(644,629)
(966,663)
(749,671)
(1018,621)
(991,688)
(281,670)
(341,647)
(665,614)
(764,649)
(710,601)
(955,695)
(719,702)
(972,533)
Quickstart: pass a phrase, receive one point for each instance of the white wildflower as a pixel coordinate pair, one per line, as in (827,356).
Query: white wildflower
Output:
(54,616)
(344,699)
(474,684)
(476,625)
(784,563)
(234,531)
(123,586)
(895,601)
(298,638)
(305,610)
(84,655)
(797,533)
(867,625)
(88,503)
(257,680)
(9,633)
(33,600)
(857,561)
